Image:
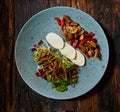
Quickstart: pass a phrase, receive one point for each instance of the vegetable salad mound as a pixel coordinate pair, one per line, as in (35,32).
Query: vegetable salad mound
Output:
(55,68)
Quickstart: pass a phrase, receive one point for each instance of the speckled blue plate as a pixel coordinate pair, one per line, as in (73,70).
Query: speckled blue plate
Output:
(37,28)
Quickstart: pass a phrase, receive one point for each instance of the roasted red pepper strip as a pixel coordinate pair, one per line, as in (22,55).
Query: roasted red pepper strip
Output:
(87,35)
(72,41)
(58,20)
(62,22)
(86,53)
(83,41)
(75,43)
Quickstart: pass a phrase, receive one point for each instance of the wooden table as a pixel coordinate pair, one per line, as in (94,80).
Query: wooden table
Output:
(16,96)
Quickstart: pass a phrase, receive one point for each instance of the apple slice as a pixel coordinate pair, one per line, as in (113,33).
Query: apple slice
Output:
(55,40)
(79,60)
(68,51)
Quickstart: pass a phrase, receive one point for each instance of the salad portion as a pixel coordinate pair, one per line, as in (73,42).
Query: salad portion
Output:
(54,67)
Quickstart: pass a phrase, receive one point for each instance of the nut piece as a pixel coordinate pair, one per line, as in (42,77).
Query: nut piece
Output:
(97,53)
(81,32)
(81,37)
(71,29)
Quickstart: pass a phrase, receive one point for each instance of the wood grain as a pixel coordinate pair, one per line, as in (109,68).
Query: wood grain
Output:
(16,96)
(7,56)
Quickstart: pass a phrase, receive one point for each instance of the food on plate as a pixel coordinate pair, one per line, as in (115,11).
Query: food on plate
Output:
(59,63)
(54,67)
(55,40)
(79,60)
(68,51)
(79,37)
(91,49)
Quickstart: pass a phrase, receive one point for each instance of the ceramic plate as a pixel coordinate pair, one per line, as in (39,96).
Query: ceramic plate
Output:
(37,28)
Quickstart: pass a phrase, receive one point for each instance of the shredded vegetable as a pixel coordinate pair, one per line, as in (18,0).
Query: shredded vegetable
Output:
(55,68)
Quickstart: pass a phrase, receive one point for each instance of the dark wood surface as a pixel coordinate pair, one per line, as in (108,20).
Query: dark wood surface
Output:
(16,96)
